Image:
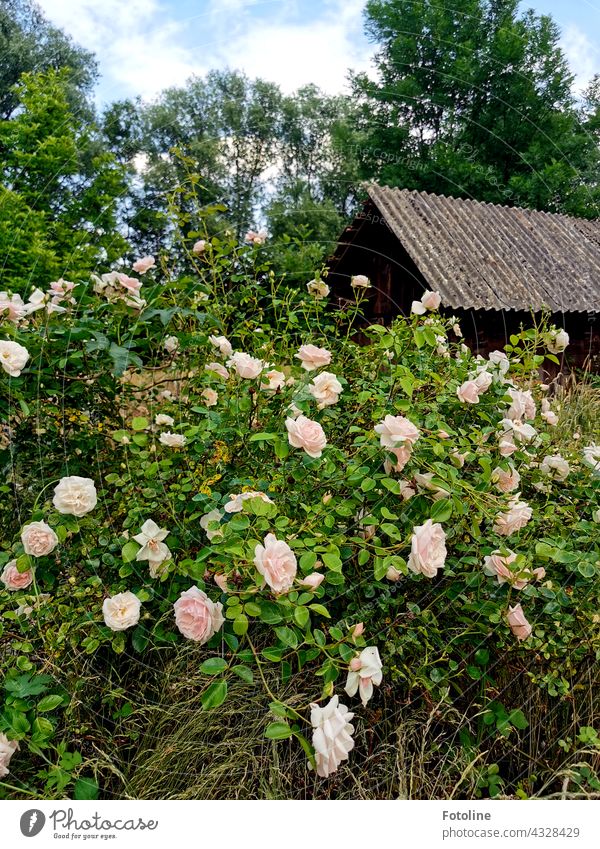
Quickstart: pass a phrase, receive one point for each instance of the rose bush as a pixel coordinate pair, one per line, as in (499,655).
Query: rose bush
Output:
(314,504)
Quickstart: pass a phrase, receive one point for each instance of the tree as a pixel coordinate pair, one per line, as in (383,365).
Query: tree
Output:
(60,186)
(474,99)
(29,43)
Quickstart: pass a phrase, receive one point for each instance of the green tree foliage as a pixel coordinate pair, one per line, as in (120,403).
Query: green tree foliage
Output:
(59,187)
(474,98)
(29,43)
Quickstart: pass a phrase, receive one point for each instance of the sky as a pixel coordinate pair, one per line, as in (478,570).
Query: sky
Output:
(144,46)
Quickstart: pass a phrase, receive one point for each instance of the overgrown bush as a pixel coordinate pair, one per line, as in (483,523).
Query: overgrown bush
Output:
(210,456)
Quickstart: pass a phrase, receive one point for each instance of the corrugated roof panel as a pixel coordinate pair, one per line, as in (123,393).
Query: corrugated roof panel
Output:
(485,256)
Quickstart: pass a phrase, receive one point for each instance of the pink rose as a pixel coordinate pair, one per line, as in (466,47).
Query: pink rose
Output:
(246,366)
(312,581)
(217,368)
(38,539)
(199,246)
(141,266)
(221,582)
(517,622)
(130,283)
(431,300)
(468,392)
(312,357)
(358,630)
(506,481)
(7,750)
(515,518)
(396,431)
(13,306)
(306,434)
(484,380)
(428,549)
(498,565)
(402,456)
(522,406)
(196,616)
(13,579)
(276,562)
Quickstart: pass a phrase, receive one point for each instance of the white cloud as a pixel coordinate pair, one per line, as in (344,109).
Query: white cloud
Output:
(142,48)
(583,55)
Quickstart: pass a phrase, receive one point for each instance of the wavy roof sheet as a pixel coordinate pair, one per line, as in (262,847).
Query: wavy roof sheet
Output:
(484,256)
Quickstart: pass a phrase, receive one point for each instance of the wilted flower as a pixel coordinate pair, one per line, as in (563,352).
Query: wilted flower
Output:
(325,389)
(517,622)
(307,434)
(236,502)
(312,357)
(428,549)
(222,344)
(196,616)
(557,341)
(171,344)
(121,611)
(332,735)
(364,673)
(555,467)
(318,288)
(13,357)
(199,246)
(75,496)
(276,562)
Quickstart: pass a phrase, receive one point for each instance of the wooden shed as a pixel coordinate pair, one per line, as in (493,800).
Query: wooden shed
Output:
(492,265)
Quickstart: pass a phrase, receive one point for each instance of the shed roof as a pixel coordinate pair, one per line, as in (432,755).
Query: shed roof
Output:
(485,256)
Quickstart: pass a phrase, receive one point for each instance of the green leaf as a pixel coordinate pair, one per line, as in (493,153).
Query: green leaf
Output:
(129,550)
(518,719)
(85,788)
(287,637)
(263,437)
(140,423)
(244,672)
(49,703)
(301,615)
(441,510)
(27,685)
(333,562)
(240,625)
(322,611)
(278,731)
(215,695)
(213,666)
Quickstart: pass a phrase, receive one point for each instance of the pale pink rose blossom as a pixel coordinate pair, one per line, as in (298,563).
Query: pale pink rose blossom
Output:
(276,562)
(206,520)
(364,673)
(507,445)
(274,380)
(357,630)
(75,496)
(506,481)
(222,344)
(360,281)
(424,481)
(555,466)
(397,431)
(172,440)
(517,622)
(131,284)
(306,434)
(255,238)
(13,357)
(406,490)
(15,580)
(429,301)
(171,344)
(7,750)
(456,329)
(514,519)
(141,266)
(468,392)
(325,389)
(246,366)
(498,565)
(196,616)
(522,405)
(38,539)
(217,368)
(210,397)
(557,341)
(402,455)
(121,611)
(221,582)
(484,380)
(199,246)
(428,549)
(313,357)
(12,307)
(163,419)
(332,735)
(547,413)
(312,581)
